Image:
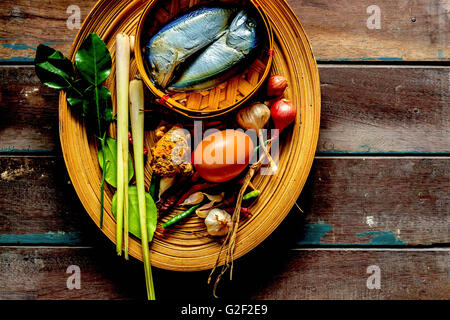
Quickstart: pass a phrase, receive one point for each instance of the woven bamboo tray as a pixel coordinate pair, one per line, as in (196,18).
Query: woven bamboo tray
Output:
(225,96)
(187,247)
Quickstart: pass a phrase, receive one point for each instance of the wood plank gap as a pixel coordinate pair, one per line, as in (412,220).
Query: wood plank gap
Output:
(437,249)
(27,153)
(36,156)
(382,66)
(14,63)
(344,62)
(408,249)
(363,63)
(324,156)
(322,248)
(372,156)
(321,64)
(45,247)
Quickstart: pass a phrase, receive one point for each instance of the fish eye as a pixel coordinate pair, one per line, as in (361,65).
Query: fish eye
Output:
(251,24)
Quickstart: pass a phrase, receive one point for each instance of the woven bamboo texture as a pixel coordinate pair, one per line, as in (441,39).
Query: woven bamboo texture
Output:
(225,96)
(187,247)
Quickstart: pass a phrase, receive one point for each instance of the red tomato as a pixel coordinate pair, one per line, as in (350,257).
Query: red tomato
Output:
(223,155)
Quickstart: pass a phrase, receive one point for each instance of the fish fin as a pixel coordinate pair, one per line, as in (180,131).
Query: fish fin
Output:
(169,75)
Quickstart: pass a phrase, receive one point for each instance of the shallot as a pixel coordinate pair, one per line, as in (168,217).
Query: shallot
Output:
(283,114)
(276,86)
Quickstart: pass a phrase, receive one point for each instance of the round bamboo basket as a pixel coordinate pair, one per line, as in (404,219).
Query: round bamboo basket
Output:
(224,97)
(187,247)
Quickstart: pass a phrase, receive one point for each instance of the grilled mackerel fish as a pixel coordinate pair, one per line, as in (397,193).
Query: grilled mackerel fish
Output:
(183,37)
(223,58)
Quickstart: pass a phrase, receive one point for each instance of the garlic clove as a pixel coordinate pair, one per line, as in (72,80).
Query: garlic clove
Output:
(215,198)
(193,199)
(204,210)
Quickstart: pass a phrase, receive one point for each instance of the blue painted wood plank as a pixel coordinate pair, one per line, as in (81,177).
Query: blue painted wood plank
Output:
(313,234)
(49,238)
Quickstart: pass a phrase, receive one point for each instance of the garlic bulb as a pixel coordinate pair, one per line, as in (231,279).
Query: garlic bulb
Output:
(218,222)
(254,116)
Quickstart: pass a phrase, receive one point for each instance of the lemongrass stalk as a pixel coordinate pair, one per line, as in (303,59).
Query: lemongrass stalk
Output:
(122,82)
(137,130)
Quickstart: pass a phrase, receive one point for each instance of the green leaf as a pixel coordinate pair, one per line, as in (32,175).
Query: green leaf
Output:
(133,213)
(93,60)
(76,99)
(106,109)
(53,69)
(85,103)
(111,162)
(105,103)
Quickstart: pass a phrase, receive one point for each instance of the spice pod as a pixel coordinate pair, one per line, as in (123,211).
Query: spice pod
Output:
(187,246)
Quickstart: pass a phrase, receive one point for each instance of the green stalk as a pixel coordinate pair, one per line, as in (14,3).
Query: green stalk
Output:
(122,82)
(255,152)
(102,185)
(137,130)
(101,137)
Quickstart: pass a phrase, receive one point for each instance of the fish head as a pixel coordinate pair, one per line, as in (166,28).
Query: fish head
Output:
(161,58)
(243,32)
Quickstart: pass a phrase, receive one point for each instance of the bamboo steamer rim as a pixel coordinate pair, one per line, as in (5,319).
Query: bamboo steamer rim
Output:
(182,250)
(173,104)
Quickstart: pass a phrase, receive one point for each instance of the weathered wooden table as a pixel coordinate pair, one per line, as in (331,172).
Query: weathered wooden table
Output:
(376,221)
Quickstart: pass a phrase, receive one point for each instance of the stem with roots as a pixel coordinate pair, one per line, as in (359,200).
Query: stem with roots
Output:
(230,239)
(272,164)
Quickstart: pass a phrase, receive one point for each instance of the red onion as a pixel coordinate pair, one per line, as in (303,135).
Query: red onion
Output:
(283,113)
(276,86)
